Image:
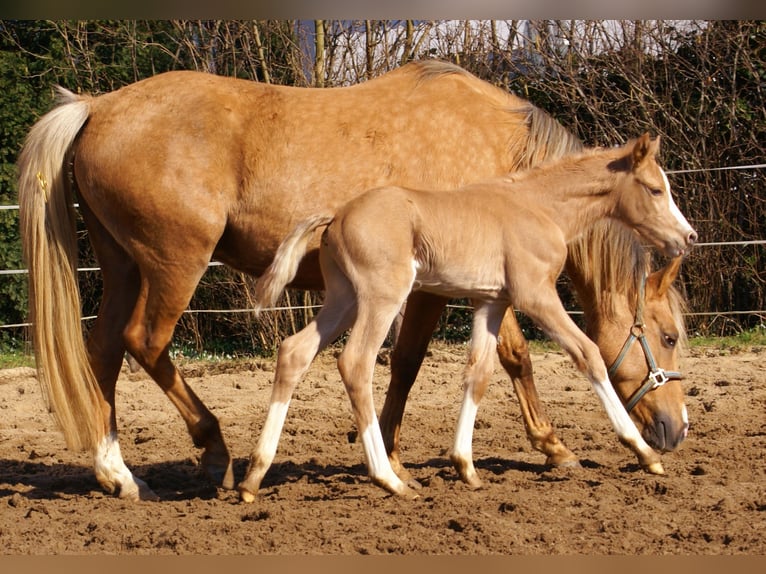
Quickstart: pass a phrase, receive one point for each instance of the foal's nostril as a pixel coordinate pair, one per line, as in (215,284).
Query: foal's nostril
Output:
(692,237)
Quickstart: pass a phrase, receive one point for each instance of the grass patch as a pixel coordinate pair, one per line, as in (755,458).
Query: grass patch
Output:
(12,358)
(755,337)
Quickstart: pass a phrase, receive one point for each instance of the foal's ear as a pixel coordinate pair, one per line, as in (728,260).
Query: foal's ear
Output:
(644,148)
(660,281)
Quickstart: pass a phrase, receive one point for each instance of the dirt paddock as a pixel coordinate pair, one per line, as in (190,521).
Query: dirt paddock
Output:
(317,498)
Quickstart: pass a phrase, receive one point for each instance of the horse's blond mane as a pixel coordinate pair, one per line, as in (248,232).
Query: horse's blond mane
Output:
(611,260)
(428,69)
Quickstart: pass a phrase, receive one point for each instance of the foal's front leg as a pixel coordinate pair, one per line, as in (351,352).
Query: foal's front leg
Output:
(481,359)
(513,350)
(548,312)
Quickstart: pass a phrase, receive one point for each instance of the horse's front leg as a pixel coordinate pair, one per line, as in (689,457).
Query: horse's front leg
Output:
(513,350)
(420,317)
(486,324)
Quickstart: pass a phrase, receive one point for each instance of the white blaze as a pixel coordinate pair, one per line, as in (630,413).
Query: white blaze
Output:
(673,207)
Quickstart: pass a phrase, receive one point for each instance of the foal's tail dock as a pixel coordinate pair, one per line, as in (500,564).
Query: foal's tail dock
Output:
(49,245)
(286,260)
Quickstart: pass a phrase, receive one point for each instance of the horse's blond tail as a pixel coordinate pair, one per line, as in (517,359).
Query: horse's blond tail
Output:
(49,245)
(286,260)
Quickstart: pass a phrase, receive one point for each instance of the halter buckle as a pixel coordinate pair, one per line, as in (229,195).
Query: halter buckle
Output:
(658,378)
(637,330)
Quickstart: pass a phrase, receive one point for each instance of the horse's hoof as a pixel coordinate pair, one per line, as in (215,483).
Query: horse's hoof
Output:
(471,480)
(147,494)
(568,462)
(218,469)
(655,468)
(406,477)
(408,493)
(413,484)
(138,491)
(227,480)
(474,483)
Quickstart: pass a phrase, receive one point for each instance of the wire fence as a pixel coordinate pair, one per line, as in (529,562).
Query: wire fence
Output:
(756,312)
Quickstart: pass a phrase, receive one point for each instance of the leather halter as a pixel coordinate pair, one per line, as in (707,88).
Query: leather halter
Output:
(657,376)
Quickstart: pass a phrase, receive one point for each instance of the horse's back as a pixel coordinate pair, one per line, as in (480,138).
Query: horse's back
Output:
(235,164)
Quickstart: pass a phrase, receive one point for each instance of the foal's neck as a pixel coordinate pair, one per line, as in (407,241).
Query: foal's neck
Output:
(576,194)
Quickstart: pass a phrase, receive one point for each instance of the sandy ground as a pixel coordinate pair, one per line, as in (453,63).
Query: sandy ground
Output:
(317,498)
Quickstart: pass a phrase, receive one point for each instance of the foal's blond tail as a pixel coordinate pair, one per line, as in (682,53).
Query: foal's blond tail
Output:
(286,260)
(49,245)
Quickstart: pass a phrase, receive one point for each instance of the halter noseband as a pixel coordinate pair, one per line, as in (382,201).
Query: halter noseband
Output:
(657,376)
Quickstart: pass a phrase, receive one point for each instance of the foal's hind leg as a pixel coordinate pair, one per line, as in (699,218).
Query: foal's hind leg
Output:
(356,365)
(295,356)
(481,359)
(513,351)
(546,310)
(420,317)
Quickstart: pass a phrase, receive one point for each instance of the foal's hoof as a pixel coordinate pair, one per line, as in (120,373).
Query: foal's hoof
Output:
(245,495)
(569,461)
(408,493)
(564,464)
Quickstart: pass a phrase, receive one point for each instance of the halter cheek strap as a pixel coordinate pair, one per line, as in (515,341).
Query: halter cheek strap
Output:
(657,376)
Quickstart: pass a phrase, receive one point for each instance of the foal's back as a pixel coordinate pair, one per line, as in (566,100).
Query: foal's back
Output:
(456,243)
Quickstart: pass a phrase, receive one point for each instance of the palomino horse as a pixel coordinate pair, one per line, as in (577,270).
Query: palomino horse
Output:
(501,243)
(184,167)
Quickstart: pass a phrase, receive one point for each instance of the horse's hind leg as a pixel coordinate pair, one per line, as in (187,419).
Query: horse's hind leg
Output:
(513,350)
(105,351)
(163,296)
(420,317)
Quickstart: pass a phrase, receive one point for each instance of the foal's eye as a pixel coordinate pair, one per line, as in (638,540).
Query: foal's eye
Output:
(669,340)
(654,191)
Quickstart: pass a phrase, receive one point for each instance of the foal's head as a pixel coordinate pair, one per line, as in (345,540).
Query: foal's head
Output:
(645,202)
